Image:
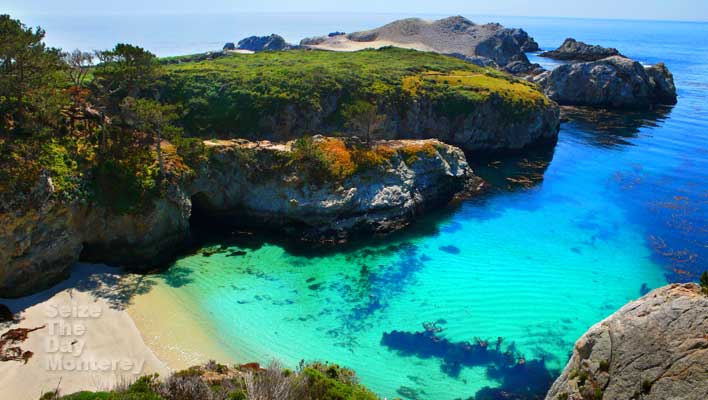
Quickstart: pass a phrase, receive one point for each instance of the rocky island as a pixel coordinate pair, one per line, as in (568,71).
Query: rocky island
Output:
(572,50)
(614,82)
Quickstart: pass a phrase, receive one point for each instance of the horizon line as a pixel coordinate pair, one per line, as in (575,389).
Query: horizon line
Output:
(414,14)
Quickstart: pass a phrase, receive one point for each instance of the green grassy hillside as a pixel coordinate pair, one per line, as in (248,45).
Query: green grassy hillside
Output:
(230,95)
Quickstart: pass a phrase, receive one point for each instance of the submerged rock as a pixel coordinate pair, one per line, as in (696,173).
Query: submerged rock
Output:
(263,43)
(380,189)
(572,50)
(611,82)
(652,348)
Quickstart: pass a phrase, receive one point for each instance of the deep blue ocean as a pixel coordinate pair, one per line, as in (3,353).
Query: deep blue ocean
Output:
(448,309)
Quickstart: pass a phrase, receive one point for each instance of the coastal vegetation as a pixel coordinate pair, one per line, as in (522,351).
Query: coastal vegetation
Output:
(231,95)
(213,381)
(115,127)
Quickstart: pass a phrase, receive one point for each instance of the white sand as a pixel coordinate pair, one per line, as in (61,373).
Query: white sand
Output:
(89,341)
(344,44)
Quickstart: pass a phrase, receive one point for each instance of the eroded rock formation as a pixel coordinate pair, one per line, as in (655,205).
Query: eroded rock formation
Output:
(655,348)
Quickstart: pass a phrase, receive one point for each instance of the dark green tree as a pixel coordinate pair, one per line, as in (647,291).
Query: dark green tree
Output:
(29,77)
(156,121)
(704,282)
(125,71)
(363,119)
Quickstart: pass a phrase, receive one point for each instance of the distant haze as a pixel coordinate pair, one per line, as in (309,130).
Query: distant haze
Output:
(690,10)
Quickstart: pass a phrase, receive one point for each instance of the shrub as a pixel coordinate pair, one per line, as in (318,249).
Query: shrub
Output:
(598,394)
(646,386)
(704,282)
(604,365)
(272,384)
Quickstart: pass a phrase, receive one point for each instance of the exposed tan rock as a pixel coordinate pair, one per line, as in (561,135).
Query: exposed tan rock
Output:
(654,348)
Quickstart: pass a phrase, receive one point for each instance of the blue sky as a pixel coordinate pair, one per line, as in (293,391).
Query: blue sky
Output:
(696,10)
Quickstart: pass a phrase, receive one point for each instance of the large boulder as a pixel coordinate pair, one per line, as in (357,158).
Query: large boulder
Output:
(616,82)
(572,50)
(655,348)
(264,43)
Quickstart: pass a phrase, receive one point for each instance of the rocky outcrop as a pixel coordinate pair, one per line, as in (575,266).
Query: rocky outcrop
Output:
(655,348)
(572,50)
(271,184)
(611,82)
(456,36)
(264,43)
(407,178)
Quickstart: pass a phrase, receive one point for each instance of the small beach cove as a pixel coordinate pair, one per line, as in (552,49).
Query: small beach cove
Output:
(560,239)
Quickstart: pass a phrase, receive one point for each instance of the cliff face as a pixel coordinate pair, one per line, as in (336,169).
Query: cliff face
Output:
(400,179)
(652,348)
(484,127)
(327,189)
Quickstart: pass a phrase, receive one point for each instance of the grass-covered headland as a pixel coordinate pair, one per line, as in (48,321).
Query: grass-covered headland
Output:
(115,126)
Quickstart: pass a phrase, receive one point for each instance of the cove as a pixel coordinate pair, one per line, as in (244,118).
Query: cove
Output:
(559,242)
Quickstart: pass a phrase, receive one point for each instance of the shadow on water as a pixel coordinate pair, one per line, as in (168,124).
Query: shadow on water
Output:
(517,376)
(511,173)
(610,128)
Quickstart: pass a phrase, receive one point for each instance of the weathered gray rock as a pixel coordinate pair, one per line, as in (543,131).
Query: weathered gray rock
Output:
(411,177)
(611,82)
(39,243)
(264,43)
(655,348)
(572,50)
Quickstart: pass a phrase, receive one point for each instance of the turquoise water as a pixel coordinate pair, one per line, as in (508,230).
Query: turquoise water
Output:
(618,208)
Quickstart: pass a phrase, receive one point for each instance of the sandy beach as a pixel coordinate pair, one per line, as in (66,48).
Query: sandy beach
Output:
(84,338)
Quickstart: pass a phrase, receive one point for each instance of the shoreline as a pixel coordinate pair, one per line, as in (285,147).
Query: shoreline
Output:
(81,337)
(178,340)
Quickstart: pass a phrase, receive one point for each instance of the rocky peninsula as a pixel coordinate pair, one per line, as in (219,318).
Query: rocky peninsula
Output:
(652,348)
(487,45)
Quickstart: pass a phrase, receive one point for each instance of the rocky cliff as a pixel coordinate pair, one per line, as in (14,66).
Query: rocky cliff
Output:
(572,50)
(317,189)
(616,82)
(652,348)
